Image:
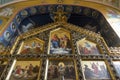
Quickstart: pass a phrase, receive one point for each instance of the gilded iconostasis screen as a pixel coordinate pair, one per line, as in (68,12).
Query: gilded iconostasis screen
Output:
(59,52)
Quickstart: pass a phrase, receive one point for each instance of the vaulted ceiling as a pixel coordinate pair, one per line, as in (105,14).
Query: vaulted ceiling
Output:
(83,16)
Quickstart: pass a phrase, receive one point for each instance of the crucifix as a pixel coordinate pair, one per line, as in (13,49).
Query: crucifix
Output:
(60,15)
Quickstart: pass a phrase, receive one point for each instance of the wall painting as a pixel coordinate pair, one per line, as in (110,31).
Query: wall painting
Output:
(30,46)
(87,47)
(61,70)
(25,70)
(60,42)
(95,70)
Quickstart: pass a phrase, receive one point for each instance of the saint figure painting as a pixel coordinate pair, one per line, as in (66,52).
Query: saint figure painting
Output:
(87,47)
(61,70)
(60,42)
(95,70)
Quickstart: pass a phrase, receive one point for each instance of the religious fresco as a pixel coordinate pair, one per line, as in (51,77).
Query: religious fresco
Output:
(87,47)
(113,13)
(7,35)
(113,17)
(33,10)
(24,13)
(95,14)
(27,27)
(117,67)
(2,66)
(87,11)
(60,42)
(25,70)
(90,27)
(95,70)
(69,9)
(61,70)
(18,19)
(6,12)
(1,22)
(110,2)
(13,27)
(42,9)
(32,46)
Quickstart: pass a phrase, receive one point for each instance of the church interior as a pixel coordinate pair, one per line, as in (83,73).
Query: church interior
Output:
(59,39)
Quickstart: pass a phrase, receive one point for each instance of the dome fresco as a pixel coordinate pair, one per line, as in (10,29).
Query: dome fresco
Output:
(0,22)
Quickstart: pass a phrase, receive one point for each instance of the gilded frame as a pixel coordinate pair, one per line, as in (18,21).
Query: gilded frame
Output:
(21,61)
(60,60)
(26,42)
(106,64)
(86,34)
(99,50)
(3,69)
(56,31)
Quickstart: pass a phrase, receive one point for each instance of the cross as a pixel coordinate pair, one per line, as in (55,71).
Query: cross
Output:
(59,15)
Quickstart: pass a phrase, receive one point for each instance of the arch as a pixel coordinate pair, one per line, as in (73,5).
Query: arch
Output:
(42,9)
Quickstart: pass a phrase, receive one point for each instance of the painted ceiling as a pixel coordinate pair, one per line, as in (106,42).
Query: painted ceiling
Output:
(18,18)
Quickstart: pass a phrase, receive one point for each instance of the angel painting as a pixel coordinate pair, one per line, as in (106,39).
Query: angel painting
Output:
(32,46)
(87,47)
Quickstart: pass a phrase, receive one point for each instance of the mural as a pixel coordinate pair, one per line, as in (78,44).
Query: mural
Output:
(60,42)
(7,35)
(31,46)
(24,13)
(113,13)
(18,19)
(61,70)
(87,47)
(27,27)
(117,66)
(110,2)
(90,27)
(33,10)
(6,12)
(95,14)
(2,66)
(114,19)
(95,70)
(13,27)
(1,21)
(25,70)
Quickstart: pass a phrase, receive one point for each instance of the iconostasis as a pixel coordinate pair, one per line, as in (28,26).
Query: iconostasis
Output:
(59,51)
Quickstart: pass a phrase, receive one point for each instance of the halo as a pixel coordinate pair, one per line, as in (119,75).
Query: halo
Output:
(61,63)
